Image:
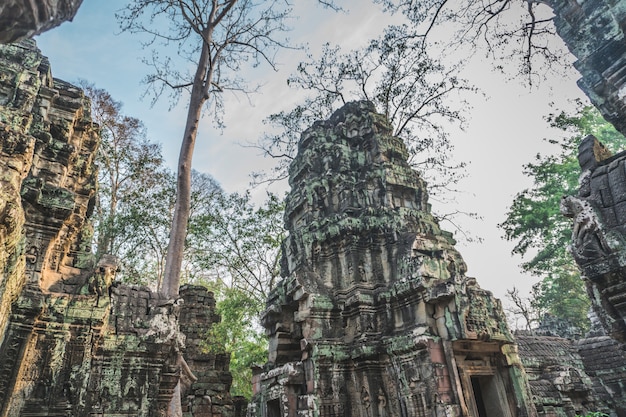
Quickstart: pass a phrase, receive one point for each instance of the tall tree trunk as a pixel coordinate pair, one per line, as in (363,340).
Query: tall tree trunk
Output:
(176,245)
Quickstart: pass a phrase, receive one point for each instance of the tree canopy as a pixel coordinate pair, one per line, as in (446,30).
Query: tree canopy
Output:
(217,39)
(534,222)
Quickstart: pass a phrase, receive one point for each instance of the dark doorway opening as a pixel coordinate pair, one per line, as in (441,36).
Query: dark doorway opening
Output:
(273,408)
(478,397)
(488,398)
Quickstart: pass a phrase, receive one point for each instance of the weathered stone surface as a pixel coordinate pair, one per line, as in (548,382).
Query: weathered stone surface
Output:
(117,354)
(605,363)
(599,248)
(44,201)
(25,18)
(560,384)
(89,354)
(208,396)
(599,232)
(374,315)
(74,342)
(572,376)
(594,33)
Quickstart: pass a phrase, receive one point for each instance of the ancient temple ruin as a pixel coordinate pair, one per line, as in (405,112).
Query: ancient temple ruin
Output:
(594,32)
(573,377)
(72,341)
(23,19)
(375,315)
(599,232)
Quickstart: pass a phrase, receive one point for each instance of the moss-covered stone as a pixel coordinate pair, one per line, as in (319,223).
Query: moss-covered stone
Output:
(373,292)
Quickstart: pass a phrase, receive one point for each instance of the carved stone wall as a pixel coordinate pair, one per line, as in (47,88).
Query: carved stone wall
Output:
(72,341)
(598,245)
(594,33)
(23,19)
(559,381)
(107,355)
(48,183)
(374,315)
(117,354)
(599,232)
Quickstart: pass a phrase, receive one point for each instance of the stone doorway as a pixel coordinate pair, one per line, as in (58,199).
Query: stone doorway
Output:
(487,397)
(483,377)
(273,408)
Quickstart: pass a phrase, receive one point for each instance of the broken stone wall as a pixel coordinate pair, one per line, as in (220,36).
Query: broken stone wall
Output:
(605,363)
(208,396)
(95,354)
(559,381)
(117,354)
(72,341)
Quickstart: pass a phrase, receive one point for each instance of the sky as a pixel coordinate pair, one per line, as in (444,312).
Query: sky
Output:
(506,122)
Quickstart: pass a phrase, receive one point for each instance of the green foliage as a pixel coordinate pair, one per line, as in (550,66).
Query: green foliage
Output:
(540,232)
(238,243)
(135,192)
(593,414)
(234,248)
(238,333)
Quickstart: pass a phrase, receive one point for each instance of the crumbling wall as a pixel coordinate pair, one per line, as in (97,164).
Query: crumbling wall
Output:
(208,396)
(559,381)
(374,315)
(605,363)
(110,354)
(73,341)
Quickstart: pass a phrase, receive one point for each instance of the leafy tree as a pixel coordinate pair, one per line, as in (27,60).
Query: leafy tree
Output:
(393,71)
(239,243)
(136,193)
(231,245)
(132,179)
(146,219)
(542,234)
(145,222)
(125,158)
(216,38)
(239,333)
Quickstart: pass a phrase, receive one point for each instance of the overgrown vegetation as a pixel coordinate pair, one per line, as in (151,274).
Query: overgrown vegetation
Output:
(232,246)
(224,241)
(542,234)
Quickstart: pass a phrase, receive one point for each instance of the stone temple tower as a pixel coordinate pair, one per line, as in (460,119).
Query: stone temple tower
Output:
(375,316)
